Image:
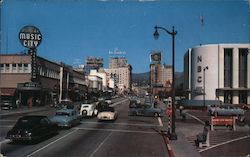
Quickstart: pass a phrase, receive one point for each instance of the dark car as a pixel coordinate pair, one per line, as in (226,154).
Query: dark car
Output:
(32,128)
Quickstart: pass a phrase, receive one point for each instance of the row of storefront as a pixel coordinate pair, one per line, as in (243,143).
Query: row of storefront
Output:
(54,81)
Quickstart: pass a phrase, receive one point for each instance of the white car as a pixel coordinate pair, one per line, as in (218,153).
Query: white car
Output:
(108,113)
(88,109)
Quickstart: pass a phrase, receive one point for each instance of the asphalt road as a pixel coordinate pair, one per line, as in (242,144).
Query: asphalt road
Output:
(127,136)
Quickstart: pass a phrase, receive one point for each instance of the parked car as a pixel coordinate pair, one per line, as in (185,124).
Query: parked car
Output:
(66,118)
(32,128)
(146,110)
(211,109)
(244,106)
(88,108)
(107,113)
(228,110)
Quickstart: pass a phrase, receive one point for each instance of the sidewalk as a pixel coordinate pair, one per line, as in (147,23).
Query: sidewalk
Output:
(22,110)
(181,147)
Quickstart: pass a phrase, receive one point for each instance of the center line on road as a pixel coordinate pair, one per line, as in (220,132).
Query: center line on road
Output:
(100,145)
(52,143)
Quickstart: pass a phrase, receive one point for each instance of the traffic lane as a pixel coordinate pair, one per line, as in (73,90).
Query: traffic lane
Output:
(21,149)
(8,122)
(235,149)
(123,116)
(133,145)
(105,143)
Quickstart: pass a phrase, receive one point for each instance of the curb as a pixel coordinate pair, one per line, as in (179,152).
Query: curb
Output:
(166,141)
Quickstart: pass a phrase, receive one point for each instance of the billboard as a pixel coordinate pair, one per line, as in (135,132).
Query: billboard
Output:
(155,57)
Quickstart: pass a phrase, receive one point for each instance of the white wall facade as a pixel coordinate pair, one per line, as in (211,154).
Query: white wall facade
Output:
(197,58)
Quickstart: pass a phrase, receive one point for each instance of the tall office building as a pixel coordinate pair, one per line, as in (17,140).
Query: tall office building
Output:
(117,62)
(92,63)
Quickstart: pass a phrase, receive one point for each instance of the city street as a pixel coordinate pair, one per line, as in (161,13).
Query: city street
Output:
(127,136)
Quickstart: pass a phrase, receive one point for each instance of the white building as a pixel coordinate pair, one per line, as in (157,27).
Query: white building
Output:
(122,76)
(102,74)
(227,76)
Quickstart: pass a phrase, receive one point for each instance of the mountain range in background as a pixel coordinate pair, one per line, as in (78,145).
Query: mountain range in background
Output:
(142,79)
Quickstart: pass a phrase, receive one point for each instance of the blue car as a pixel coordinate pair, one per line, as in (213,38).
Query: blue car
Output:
(147,110)
(66,118)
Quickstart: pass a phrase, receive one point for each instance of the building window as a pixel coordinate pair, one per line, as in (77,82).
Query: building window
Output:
(26,67)
(243,67)
(20,67)
(243,97)
(7,67)
(228,97)
(1,67)
(228,67)
(14,67)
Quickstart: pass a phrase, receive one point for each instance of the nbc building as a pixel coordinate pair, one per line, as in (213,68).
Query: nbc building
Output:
(218,71)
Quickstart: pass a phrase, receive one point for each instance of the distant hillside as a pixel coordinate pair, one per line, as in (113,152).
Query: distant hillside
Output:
(143,78)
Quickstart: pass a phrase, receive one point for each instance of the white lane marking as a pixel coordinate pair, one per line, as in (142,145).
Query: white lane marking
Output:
(217,145)
(100,145)
(127,124)
(117,130)
(120,102)
(199,120)
(4,141)
(160,121)
(52,143)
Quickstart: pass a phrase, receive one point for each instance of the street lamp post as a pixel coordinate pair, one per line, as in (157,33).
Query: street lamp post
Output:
(172,134)
(204,86)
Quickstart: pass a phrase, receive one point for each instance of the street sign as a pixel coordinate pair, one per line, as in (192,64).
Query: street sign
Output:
(30,36)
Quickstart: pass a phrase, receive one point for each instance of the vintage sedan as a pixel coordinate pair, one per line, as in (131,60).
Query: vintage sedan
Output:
(88,108)
(66,118)
(146,110)
(228,110)
(32,128)
(107,113)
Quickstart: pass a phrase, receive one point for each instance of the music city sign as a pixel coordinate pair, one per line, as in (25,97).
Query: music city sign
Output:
(30,36)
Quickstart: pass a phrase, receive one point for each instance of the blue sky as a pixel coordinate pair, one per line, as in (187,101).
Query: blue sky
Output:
(75,29)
